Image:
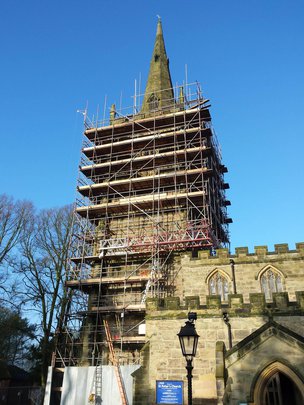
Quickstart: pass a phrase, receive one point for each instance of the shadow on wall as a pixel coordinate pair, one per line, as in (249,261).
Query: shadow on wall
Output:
(197,401)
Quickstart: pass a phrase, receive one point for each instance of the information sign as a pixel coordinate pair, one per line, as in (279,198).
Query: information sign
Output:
(169,392)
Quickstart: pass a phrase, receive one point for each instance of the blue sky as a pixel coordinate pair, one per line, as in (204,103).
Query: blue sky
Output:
(247,54)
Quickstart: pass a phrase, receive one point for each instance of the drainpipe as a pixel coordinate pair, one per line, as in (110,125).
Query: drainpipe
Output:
(226,320)
(233,275)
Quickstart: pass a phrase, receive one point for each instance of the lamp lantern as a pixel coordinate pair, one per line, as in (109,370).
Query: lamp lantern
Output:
(188,339)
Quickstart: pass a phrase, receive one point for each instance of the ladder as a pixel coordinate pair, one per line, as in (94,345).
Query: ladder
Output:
(98,383)
(95,396)
(115,363)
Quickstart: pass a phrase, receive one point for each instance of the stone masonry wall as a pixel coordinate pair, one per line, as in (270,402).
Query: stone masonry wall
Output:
(165,358)
(247,311)
(192,279)
(166,361)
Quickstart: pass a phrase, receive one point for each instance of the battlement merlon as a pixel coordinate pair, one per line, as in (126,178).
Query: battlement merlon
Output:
(222,256)
(257,305)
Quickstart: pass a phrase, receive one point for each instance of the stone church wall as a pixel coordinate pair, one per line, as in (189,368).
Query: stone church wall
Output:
(247,311)
(192,279)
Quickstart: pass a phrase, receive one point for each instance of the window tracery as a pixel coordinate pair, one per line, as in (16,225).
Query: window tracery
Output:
(218,285)
(271,282)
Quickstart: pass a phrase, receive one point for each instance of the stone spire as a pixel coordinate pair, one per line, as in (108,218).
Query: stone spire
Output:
(159,92)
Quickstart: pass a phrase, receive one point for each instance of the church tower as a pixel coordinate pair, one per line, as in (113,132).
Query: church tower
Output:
(151,187)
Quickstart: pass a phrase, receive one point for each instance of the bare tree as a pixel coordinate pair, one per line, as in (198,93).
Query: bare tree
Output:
(42,270)
(14,219)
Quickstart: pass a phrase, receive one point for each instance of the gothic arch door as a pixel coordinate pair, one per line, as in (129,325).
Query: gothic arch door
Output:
(281,390)
(278,385)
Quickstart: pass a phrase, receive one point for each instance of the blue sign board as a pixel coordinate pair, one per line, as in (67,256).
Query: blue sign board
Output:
(169,392)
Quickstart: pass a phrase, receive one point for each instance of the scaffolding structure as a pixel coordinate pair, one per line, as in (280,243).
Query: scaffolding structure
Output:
(151,185)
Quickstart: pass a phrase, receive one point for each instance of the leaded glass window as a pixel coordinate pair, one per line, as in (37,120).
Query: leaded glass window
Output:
(218,285)
(271,281)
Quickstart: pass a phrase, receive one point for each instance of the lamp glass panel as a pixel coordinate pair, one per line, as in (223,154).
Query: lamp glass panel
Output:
(188,345)
(195,345)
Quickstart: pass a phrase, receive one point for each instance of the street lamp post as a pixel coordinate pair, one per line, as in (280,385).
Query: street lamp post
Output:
(188,339)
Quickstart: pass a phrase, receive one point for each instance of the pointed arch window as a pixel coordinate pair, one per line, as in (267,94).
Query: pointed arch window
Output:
(219,285)
(271,282)
(153,102)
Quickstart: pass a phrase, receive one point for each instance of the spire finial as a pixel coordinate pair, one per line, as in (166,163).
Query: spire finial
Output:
(158,17)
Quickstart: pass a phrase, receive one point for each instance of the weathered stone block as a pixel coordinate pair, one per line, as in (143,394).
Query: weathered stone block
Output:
(300,247)
(241,251)
(257,301)
(281,248)
(280,300)
(220,360)
(261,250)
(192,302)
(152,304)
(235,300)
(222,253)
(172,303)
(213,301)
(300,299)
(204,254)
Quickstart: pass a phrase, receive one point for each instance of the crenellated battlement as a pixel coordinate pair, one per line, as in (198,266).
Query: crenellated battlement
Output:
(242,253)
(236,305)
